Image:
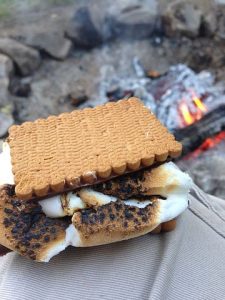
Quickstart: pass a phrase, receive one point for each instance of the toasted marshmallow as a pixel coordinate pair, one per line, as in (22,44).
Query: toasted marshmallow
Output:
(62,205)
(93,198)
(175,189)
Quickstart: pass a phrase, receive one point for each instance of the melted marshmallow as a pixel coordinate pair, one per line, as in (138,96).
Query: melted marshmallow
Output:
(72,239)
(53,206)
(6,174)
(177,198)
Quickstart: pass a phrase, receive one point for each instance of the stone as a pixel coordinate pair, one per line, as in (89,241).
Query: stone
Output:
(6,71)
(90,26)
(26,59)
(221,23)
(44,31)
(182,18)
(51,42)
(6,66)
(78,97)
(6,120)
(136,21)
(20,87)
(4,94)
(209,24)
(82,30)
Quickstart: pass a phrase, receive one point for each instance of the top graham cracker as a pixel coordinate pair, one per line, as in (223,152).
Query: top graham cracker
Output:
(86,146)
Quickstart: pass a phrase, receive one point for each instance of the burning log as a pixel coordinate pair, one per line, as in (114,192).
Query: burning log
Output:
(194,135)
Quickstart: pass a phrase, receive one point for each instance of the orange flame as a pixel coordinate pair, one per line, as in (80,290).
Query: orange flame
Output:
(186,114)
(199,104)
(190,117)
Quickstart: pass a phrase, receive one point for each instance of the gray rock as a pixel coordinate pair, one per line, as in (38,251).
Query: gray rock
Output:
(26,58)
(6,71)
(20,87)
(6,66)
(136,21)
(209,23)
(43,30)
(6,120)
(91,26)
(221,22)
(77,96)
(4,94)
(83,28)
(182,18)
(53,43)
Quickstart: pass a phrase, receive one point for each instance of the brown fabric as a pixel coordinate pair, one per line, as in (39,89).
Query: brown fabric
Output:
(187,263)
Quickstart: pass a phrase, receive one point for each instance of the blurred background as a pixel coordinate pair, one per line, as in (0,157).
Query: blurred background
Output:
(61,55)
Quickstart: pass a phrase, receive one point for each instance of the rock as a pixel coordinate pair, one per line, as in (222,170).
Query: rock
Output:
(78,97)
(6,120)
(91,26)
(51,42)
(26,59)
(209,24)
(4,84)
(136,21)
(6,71)
(82,29)
(6,66)
(182,18)
(221,22)
(20,87)
(44,30)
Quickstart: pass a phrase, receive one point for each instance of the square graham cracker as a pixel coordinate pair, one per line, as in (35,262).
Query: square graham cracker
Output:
(86,146)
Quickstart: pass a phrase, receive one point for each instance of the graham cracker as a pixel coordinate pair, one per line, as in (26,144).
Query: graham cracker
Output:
(86,146)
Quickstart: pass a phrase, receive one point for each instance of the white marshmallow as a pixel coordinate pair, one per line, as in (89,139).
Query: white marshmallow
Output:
(53,206)
(6,174)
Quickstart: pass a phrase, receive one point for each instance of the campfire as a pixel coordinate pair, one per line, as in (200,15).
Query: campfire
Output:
(193,113)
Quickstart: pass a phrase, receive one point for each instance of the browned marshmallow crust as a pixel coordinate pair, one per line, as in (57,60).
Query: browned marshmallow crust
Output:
(115,222)
(25,229)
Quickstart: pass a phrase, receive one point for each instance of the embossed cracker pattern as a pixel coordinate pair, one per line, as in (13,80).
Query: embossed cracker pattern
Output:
(85,146)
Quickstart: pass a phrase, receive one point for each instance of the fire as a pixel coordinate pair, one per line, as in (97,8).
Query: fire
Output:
(192,112)
(190,116)
(208,144)
(212,142)
(199,104)
(186,114)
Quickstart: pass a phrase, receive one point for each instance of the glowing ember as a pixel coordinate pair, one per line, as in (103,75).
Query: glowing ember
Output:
(189,116)
(208,144)
(212,142)
(186,114)
(199,104)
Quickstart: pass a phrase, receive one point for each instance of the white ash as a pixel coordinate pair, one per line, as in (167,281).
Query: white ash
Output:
(164,94)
